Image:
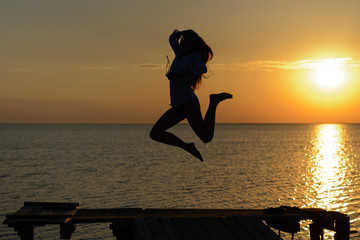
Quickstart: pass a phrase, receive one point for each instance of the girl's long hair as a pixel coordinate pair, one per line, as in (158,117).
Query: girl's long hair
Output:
(204,50)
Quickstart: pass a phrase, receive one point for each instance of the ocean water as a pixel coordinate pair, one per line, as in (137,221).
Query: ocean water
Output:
(245,166)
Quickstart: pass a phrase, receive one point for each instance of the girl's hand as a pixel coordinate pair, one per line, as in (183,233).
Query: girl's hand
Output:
(179,33)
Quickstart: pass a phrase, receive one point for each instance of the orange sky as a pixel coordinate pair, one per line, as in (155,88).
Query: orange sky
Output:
(104,61)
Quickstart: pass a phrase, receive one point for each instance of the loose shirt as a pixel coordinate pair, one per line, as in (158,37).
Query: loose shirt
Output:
(180,89)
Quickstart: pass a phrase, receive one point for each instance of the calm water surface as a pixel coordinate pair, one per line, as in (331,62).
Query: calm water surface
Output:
(246,166)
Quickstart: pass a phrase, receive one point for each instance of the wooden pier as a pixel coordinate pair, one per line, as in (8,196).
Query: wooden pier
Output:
(177,224)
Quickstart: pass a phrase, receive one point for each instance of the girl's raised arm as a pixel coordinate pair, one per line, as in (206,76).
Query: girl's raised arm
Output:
(174,41)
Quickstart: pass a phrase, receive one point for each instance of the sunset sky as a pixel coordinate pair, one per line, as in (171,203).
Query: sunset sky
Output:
(91,61)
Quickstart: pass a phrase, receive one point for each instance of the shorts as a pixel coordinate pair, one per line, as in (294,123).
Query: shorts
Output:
(192,103)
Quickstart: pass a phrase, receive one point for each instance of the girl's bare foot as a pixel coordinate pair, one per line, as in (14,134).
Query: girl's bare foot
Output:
(192,149)
(217,98)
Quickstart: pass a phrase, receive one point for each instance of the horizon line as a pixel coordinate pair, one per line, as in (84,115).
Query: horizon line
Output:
(138,123)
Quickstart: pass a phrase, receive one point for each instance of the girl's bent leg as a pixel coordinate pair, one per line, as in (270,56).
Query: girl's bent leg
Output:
(204,128)
(196,121)
(166,121)
(209,119)
(169,119)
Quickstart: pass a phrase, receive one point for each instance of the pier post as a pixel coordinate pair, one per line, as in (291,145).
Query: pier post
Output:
(25,231)
(316,231)
(66,230)
(122,229)
(342,228)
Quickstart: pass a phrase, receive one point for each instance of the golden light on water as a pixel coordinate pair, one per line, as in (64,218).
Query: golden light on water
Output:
(327,169)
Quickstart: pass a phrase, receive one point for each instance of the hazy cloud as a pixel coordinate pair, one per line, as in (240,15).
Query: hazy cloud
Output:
(271,65)
(101,68)
(152,66)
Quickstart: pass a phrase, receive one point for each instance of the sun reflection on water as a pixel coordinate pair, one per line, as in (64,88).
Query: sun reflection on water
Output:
(328,165)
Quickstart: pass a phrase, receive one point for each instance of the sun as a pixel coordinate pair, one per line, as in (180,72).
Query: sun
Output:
(327,84)
(329,74)
(329,77)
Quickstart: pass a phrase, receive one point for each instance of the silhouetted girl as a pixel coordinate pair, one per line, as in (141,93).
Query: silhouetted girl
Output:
(185,74)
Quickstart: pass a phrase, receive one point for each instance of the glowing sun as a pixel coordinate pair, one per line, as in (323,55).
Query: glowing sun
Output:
(329,74)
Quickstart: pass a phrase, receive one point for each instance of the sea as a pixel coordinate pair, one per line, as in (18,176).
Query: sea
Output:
(245,166)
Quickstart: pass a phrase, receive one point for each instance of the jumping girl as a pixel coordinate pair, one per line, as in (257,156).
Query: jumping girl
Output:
(185,74)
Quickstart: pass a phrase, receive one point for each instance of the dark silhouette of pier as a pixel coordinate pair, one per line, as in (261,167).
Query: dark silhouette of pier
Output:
(177,224)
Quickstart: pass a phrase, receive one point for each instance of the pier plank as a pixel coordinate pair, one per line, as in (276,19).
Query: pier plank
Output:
(261,227)
(213,231)
(170,229)
(250,228)
(46,212)
(35,210)
(183,228)
(26,211)
(160,237)
(70,205)
(236,229)
(142,229)
(197,229)
(224,231)
(156,228)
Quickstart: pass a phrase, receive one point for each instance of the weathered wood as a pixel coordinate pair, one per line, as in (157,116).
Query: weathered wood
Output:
(196,228)
(170,229)
(142,229)
(225,233)
(52,204)
(175,224)
(48,210)
(156,228)
(212,231)
(25,211)
(39,214)
(236,229)
(106,215)
(261,227)
(250,228)
(183,228)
